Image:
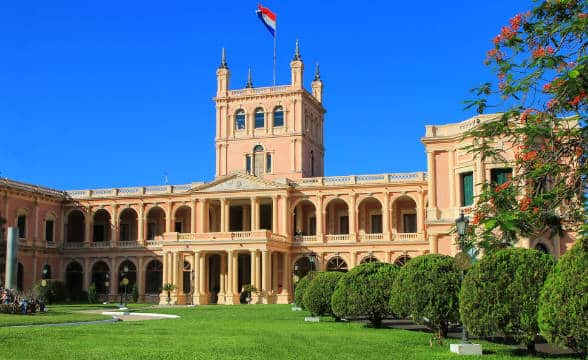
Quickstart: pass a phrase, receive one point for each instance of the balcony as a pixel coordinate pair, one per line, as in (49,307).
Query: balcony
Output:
(371,237)
(100,245)
(73,245)
(234,236)
(409,237)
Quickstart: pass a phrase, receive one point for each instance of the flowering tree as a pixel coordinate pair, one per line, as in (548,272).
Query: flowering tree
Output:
(542,76)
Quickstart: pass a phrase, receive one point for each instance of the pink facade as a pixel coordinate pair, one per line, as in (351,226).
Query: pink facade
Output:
(269,210)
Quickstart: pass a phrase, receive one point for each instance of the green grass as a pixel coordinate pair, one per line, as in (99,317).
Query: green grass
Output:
(228,332)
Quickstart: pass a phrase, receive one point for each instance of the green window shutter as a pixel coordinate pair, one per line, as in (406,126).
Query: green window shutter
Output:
(500,176)
(467,186)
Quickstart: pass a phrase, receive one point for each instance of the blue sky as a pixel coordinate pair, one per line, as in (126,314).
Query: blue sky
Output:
(118,93)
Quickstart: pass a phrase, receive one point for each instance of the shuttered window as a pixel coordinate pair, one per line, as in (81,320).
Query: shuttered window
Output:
(467,189)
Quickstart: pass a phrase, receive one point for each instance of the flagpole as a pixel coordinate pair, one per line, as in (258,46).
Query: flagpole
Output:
(275,56)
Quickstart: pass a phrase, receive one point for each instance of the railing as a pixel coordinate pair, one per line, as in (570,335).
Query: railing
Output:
(369,237)
(100,244)
(128,244)
(259,91)
(408,236)
(132,191)
(154,242)
(337,237)
(50,244)
(360,179)
(241,235)
(185,236)
(73,245)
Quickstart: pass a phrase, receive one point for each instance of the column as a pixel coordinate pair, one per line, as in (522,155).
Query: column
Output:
(451,172)
(225,276)
(320,216)
(89,220)
(352,217)
(36,223)
(114,231)
(223,217)
(202,275)
(235,279)
(265,269)
(352,260)
(204,226)
(140,277)
(421,212)
(254,211)
(169,226)
(165,262)
(254,268)
(431,184)
(386,216)
(275,270)
(478,178)
(174,269)
(193,220)
(275,214)
(257,270)
(141,225)
(433,248)
(286,273)
(284,227)
(87,273)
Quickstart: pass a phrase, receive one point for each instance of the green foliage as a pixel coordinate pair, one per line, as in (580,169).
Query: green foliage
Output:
(499,295)
(563,305)
(301,286)
(53,291)
(168,287)
(427,289)
(317,296)
(365,291)
(135,293)
(92,294)
(542,74)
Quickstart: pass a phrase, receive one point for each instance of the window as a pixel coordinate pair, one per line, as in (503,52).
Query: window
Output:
(49,224)
(248,164)
(467,189)
(21,224)
(258,158)
(259,118)
(376,224)
(278,116)
(410,223)
(268,163)
(500,176)
(240,120)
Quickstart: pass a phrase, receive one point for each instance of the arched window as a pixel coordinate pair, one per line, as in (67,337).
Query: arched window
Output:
(369,259)
(74,280)
(259,118)
(154,277)
(268,163)
(187,278)
(402,260)
(278,116)
(337,264)
(240,119)
(258,160)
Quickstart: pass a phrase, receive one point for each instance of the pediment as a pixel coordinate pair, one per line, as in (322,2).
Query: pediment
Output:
(239,183)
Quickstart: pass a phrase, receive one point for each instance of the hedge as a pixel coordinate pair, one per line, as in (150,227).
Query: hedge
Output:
(301,286)
(317,296)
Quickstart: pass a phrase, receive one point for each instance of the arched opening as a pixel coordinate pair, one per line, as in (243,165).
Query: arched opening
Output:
(405,211)
(100,275)
(75,226)
(155,223)
(542,247)
(74,280)
(102,226)
(127,270)
(370,216)
(47,272)
(278,116)
(304,219)
(369,259)
(20,277)
(337,264)
(187,278)
(240,119)
(258,160)
(337,217)
(402,260)
(259,118)
(128,225)
(154,277)
(183,221)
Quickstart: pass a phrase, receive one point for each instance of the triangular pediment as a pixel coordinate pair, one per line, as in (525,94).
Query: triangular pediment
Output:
(239,182)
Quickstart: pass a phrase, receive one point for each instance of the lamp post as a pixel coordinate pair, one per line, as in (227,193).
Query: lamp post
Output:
(124,282)
(463,260)
(312,259)
(107,285)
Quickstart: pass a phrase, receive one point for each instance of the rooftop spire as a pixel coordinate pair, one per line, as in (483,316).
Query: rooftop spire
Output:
(317,72)
(249,81)
(223,64)
(297,56)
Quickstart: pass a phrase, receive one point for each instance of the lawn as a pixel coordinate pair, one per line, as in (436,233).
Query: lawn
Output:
(227,332)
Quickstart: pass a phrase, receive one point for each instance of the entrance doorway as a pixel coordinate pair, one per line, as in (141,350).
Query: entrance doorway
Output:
(214,270)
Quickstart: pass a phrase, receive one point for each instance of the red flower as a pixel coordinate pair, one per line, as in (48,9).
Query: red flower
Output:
(531,155)
(576,100)
(582,15)
(547,87)
(499,188)
(524,203)
(501,76)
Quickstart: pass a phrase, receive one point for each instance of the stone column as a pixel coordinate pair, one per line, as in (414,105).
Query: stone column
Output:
(275,214)
(479,177)
(352,259)
(253,268)
(140,277)
(196,299)
(36,225)
(431,174)
(87,273)
(235,279)
(204,226)
(257,270)
(193,221)
(223,217)
(225,276)
(320,217)
(114,278)
(421,213)
(89,225)
(114,230)
(174,268)
(451,165)
(202,275)
(254,210)
(265,269)
(433,249)
(169,226)
(386,217)
(353,218)
(275,271)
(286,276)
(141,225)
(285,223)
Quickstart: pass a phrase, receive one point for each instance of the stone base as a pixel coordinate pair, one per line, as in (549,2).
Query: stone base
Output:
(200,299)
(466,349)
(283,299)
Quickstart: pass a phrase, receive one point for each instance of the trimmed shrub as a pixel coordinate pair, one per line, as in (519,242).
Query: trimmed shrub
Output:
(427,289)
(500,294)
(135,293)
(365,291)
(301,286)
(53,291)
(92,294)
(317,296)
(563,305)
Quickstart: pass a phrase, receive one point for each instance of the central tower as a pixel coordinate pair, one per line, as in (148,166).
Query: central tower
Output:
(271,132)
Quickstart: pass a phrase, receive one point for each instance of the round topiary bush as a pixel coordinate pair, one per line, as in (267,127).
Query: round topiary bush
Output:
(563,305)
(317,296)
(499,295)
(53,291)
(301,286)
(427,289)
(365,291)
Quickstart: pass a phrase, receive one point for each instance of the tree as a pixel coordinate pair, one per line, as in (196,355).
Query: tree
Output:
(426,289)
(135,293)
(365,291)
(301,286)
(52,292)
(563,305)
(499,295)
(317,296)
(542,73)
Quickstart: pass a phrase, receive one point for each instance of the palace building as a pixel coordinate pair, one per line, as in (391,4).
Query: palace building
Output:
(269,216)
